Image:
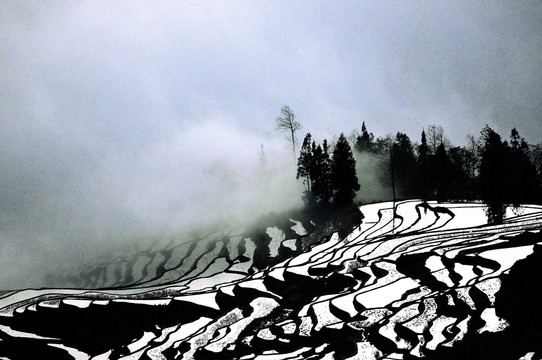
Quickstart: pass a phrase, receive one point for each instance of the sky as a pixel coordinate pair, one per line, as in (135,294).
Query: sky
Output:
(123,119)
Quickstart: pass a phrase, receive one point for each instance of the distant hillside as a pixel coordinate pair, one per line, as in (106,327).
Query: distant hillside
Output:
(239,250)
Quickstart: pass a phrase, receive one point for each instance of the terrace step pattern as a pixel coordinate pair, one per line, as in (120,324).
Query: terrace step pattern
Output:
(406,284)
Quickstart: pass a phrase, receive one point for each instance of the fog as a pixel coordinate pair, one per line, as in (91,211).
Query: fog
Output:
(68,205)
(130,119)
(373,178)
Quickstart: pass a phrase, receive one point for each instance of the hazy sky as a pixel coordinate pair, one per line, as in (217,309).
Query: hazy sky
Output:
(135,117)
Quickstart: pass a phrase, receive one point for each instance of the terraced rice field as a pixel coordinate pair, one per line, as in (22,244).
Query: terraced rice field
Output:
(424,281)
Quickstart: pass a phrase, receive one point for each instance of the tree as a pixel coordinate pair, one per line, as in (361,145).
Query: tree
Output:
(472,162)
(315,166)
(365,141)
(322,173)
(287,123)
(441,170)
(423,168)
(521,179)
(404,165)
(262,159)
(344,180)
(305,163)
(535,155)
(507,174)
(382,149)
(435,137)
(383,145)
(459,173)
(492,174)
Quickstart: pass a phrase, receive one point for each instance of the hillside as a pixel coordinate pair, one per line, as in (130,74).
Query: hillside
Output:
(433,281)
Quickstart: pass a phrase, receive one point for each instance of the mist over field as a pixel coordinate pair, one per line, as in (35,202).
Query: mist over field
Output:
(373,178)
(108,203)
(130,120)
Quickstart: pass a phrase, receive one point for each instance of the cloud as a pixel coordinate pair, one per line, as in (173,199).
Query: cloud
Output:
(122,118)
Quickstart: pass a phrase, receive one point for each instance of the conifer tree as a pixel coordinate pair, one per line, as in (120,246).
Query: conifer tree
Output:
(404,165)
(521,180)
(365,141)
(459,158)
(492,174)
(305,162)
(535,155)
(423,168)
(344,180)
(472,161)
(322,170)
(441,169)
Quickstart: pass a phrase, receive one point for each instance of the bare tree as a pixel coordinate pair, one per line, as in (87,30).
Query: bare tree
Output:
(287,123)
(435,137)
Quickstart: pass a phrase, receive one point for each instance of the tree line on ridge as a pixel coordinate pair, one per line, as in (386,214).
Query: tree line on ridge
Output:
(497,171)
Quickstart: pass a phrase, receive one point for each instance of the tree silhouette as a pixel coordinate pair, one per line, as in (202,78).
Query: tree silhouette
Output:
(364,141)
(472,161)
(315,166)
(492,174)
(404,165)
(322,173)
(535,154)
(288,124)
(521,179)
(459,173)
(441,170)
(344,180)
(423,168)
(498,172)
(435,137)
(305,163)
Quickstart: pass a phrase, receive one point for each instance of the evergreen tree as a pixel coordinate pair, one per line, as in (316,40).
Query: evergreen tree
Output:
(423,168)
(305,162)
(315,166)
(492,174)
(472,161)
(441,170)
(365,141)
(383,146)
(459,173)
(404,165)
(327,190)
(521,180)
(535,155)
(344,180)
(322,174)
